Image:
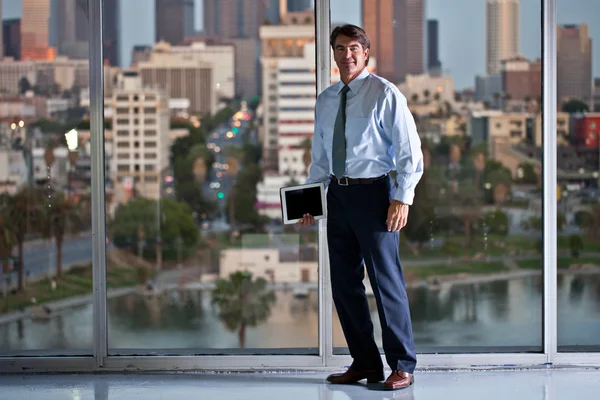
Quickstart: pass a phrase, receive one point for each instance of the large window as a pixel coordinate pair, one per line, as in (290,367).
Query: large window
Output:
(45,175)
(174,145)
(198,228)
(578,180)
(471,252)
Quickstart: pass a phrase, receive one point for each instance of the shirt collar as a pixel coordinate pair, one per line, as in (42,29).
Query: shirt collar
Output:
(356,83)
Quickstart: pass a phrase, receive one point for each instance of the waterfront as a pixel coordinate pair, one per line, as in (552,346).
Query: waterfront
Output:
(506,313)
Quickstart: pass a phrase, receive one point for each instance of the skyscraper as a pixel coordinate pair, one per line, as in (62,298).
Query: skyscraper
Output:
(502,33)
(34,31)
(174,20)
(299,5)
(233,18)
(396,29)
(1,33)
(574,63)
(433,61)
(110,28)
(12,38)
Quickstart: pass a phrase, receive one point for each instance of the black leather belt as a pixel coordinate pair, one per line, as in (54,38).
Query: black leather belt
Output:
(345,181)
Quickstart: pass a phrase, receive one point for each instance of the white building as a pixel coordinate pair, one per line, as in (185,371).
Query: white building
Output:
(141,135)
(13,171)
(61,71)
(202,73)
(289,94)
(439,88)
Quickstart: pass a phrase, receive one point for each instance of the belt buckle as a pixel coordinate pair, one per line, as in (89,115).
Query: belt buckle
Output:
(341,180)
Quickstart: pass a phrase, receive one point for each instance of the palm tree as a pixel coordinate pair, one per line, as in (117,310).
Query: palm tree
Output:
(426,94)
(307,156)
(200,155)
(8,239)
(62,216)
(20,211)
(73,157)
(242,302)
(49,157)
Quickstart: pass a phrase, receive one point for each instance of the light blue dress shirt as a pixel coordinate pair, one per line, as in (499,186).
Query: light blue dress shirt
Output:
(381,134)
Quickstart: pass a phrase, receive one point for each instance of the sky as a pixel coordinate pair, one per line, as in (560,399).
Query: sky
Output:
(461,28)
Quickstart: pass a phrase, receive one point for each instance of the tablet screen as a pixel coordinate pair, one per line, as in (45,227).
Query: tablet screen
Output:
(303,201)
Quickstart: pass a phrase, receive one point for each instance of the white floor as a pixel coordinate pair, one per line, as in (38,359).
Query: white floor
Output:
(569,384)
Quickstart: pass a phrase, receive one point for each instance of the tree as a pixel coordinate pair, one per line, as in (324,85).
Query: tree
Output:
(529,176)
(242,302)
(422,221)
(307,155)
(245,197)
(24,85)
(176,221)
(63,216)
(426,94)
(22,215)
(8,239)
(575,245)
(49,126)
(575,106)
(497,222)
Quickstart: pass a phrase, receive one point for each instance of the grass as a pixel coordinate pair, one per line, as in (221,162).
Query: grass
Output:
(75,282)
(495,245)
(563,262)
(478,267)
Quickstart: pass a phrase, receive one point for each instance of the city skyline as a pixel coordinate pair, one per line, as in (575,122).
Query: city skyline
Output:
(462,57)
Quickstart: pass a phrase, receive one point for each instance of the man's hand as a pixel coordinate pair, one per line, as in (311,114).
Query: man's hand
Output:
(306,220)
(397,216)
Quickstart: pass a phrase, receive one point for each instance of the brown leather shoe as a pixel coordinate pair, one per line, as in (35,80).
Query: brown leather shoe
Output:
(398,380)
(353,376)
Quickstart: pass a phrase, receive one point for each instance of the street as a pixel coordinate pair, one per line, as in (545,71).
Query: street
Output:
(41,258)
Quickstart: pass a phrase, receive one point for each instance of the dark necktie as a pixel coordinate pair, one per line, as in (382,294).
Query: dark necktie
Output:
(339,137)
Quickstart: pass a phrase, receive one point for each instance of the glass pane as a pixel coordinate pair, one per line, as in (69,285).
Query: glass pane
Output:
(45,216)
(209,120)
(578,128)
(471,251)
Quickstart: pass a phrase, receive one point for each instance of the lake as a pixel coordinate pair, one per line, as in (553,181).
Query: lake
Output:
(506,313)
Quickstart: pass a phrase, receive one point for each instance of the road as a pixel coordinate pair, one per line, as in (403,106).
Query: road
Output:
(228,134)
(41,258)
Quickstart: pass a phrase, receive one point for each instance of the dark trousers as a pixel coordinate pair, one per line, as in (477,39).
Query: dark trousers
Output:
(357,232)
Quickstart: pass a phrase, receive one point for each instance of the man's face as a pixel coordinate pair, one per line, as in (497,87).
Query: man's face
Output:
(349,55)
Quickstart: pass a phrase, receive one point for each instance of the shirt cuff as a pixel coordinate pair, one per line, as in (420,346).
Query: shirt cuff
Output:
(405,196)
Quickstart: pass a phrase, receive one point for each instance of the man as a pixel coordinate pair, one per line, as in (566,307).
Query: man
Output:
(364,130)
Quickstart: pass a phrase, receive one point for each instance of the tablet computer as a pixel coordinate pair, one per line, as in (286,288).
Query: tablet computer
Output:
(302,199)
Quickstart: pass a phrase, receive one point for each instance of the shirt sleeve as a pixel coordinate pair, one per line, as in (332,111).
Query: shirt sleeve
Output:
(400,125)
(319,167)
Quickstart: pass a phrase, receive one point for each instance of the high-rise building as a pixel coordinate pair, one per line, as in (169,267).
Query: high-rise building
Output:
(1,34)
(596,95)
(141,136)
(502,33)
(34,31)
(203,74)
(574,63)
(521,78)
(396,30)
(233,18)
(433,36)
(12,38)
(273,11)
(110,28)
(174,20)
(299,5)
